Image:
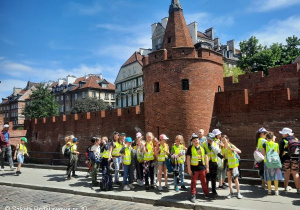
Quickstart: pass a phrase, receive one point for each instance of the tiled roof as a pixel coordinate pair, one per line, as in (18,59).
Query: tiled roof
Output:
(202,35)
(92,82)
(135,57)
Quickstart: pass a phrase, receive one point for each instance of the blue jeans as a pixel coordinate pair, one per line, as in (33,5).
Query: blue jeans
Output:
(105,166)
(117,161)
(181,174)
(126,176)
(7,151)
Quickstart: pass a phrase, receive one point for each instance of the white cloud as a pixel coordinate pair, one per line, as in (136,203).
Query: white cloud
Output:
(269,5)
(7,85)
(279,30)
(207,20)
(6,41)
(14,69)
(85,9)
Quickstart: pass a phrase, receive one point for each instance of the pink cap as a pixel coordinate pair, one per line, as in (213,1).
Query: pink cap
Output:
(163,136)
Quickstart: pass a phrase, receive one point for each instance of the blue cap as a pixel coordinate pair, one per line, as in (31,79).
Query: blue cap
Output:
(128,139)
(75,139)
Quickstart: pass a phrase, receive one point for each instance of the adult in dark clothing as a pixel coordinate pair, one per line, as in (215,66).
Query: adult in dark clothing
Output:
(5,148)
(290,164)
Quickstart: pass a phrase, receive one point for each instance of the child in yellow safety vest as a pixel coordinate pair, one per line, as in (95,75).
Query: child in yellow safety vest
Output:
(178,157)
(230,153)
(139,159)
(261,139)
(126,154)
(116,145)
(162,153)
(148,150)
(73,159)
(21,150)
(271,174)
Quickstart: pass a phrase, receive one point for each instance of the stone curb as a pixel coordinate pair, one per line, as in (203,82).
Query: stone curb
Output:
(165,202)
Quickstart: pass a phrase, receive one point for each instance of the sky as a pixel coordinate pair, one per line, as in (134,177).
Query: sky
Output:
(42,40)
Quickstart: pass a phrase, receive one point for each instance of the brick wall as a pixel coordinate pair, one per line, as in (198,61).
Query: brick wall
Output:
(48,134)
(272,101)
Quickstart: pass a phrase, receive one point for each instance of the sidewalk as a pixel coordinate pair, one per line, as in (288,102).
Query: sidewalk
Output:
(55,180)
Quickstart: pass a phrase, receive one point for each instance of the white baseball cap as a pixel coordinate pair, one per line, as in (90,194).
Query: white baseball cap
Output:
(163,136)
(139,134)
(287,131)
(6,126)
(216,132)
(262,130)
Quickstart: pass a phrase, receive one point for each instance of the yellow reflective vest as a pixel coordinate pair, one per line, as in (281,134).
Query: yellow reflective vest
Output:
(196,157)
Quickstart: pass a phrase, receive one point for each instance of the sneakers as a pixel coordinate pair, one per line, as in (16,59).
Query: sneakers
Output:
(230,195)
(215,193)
(17,173)
(69,178)
(288,188)
(118,183)
(147,187)
(140,183)
(183,187)
(176,189)
(126,188)
(160,188)
(167,186)
(152,186)
(277,192)
(95,183)
(75,175)
(87,175)
(193,199)
(239,196)
(131,186)
(269,192)
(224,184)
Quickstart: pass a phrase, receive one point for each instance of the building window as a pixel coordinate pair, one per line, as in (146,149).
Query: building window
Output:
(61,98)
(140,81)
(94,94)
(129,72)
(129,85)
(135,99)
(67,97)
(129,100)
(124,74)
(106,96)
(113,96)
(119,87)
(169,40)
(123,86)
(134,83)
(124,102)
(185,84)
(83,94)
(67,108)
(57,98)
(119,102)
(134,70)
(104,85)
(156,87)
(62,108)
(75,96)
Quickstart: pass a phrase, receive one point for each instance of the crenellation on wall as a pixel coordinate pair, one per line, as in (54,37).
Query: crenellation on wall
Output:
(157,56)
(210,55)
(279,77)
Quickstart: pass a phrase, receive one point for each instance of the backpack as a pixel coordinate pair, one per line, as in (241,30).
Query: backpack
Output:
(294,147)
(67,151)
(272,158)
(106,182)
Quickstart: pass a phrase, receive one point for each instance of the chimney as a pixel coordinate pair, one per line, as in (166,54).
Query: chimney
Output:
(154,25)
(231,45)
(210,33)
(17,90)
(193,31)
(217,44)
(61,81)
(70,79)
(164,22)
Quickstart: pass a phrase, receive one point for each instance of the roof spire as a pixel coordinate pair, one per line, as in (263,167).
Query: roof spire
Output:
(175,6)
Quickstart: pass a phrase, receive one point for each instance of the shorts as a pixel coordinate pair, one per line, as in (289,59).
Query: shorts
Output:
(292,164)
(162,163)
(20,159)
(234,172)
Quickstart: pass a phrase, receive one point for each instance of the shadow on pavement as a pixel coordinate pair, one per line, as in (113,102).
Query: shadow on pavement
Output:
(8,174)
(296,202)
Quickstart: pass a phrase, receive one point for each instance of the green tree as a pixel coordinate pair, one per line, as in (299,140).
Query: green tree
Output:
(42,104)
(256,57)
(235,72)
(88,105)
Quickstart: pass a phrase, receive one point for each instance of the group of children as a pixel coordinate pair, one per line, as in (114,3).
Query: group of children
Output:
(146,161)
(272,159)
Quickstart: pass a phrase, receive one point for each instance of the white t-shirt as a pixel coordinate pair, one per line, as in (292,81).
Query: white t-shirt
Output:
(97,150)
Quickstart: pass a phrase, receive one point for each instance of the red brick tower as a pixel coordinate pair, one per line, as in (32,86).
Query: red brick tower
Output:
(180,82)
